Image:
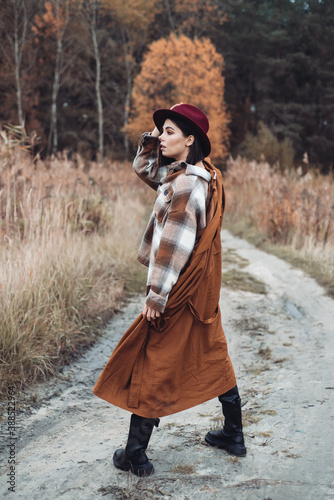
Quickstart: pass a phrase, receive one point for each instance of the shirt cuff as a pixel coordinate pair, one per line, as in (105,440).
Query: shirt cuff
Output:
(156,301)
(148,140)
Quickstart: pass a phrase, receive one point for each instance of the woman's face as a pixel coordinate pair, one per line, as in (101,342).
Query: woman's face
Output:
(173,144)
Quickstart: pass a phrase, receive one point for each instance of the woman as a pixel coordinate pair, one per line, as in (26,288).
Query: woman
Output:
(174,356)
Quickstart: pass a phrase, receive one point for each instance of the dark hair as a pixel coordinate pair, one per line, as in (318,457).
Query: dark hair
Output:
(195,153)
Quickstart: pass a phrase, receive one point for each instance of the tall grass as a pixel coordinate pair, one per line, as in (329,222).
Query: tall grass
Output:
(69,237)
(289,211)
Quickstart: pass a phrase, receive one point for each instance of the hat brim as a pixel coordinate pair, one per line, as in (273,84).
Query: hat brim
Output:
(161,115)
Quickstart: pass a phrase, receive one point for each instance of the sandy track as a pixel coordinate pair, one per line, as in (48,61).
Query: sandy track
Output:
(282,347)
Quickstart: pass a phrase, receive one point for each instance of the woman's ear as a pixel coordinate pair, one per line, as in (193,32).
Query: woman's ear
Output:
(190,140)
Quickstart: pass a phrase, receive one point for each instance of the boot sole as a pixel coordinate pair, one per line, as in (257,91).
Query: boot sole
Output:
(142,470)
(138,470)
(237,450)
(120,466)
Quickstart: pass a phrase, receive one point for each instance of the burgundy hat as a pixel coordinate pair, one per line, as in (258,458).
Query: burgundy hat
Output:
(191,115)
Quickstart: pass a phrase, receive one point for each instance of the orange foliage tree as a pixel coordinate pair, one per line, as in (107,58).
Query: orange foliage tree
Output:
(178,69)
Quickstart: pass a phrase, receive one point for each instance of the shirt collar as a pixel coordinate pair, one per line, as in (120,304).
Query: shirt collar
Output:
(199,171)
(189,170)
(176,166)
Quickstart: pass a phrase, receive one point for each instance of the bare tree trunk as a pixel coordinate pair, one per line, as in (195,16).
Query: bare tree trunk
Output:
(53,133)
(18,89)
(98,94)
(98,83)
(170,18)
(90,11)
(62,23)
(128,70)
(18,47)
(127,103)
(15,28)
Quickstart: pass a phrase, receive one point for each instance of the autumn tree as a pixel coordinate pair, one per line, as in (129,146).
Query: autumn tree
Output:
(178,69)
(14,24)
(91,10)
(133,20)
(53,23)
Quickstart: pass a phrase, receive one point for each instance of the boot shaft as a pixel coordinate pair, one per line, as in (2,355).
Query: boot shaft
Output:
(140,432)
(231,407)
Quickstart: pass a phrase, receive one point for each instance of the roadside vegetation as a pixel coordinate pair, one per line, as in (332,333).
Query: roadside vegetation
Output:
(289,213)
(70,231)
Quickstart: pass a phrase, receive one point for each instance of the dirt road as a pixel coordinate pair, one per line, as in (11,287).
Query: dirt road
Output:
(282,345)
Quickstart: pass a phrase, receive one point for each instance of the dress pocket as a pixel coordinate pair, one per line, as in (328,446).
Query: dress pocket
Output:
(162,203)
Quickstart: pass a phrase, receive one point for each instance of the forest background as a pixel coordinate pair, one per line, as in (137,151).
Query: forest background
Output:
(68,68)
(79,80)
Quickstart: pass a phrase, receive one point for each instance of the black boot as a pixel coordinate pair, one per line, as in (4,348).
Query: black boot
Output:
(230,437)
(133,456)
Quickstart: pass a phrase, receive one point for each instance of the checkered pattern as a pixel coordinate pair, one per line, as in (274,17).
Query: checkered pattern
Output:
(178,217)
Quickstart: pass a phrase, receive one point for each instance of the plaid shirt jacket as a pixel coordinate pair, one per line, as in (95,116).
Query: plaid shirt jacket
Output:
(178,218)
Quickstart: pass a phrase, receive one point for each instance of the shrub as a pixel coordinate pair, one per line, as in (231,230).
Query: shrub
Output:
(265,146)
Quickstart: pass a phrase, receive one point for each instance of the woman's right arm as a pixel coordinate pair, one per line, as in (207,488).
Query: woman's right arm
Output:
(146,164)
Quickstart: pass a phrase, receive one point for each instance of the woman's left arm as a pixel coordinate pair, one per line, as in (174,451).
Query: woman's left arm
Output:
(176,246)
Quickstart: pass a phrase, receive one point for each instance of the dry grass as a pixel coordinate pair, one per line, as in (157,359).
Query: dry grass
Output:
(252,326)
(280,360)
(288,454)
(249,417)
(268,412)
(265,434)
(186,469)
(241,280)
(235,278)
(232,260)
(69,237)
(265,352)
(284,212)
(258,368)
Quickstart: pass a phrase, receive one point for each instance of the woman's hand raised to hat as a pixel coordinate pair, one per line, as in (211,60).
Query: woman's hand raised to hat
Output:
(155,132)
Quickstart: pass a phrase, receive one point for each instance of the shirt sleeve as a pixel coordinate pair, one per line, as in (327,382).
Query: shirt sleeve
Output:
(176,246)
(146,163)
